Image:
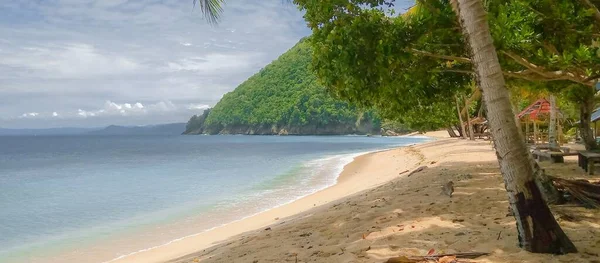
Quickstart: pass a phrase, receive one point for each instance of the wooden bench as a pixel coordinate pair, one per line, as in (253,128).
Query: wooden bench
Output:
(546,146)
(553,156)
(587,160)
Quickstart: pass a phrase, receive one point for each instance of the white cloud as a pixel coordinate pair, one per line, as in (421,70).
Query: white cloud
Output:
(215,62)
(71,60)
(197,106)
(29,115)
(129,109)
(79,52)
(85,114)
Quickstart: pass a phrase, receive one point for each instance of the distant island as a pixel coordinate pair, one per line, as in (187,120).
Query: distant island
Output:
(284,98)
(159,129)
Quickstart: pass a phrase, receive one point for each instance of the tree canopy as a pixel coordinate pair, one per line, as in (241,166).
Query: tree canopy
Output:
(416,62)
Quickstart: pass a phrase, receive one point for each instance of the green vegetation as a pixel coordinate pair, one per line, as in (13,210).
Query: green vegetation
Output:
(196,124)
(284,98)
(411,67)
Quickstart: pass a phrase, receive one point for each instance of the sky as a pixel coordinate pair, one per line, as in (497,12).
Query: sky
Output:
(92,63)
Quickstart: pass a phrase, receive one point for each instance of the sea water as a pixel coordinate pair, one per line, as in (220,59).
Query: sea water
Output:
(96,198)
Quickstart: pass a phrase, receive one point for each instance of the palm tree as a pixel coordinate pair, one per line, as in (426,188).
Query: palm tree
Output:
(211,9)
(537,229)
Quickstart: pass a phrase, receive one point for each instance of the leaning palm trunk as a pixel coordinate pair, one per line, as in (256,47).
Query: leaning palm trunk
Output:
(537,229)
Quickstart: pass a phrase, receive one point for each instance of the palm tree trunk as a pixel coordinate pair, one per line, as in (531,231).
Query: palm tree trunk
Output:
(538,231)
(462,127)
(451,132)
(471,135)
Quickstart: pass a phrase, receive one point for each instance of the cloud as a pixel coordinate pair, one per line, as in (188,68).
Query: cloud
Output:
(29,115)
(214,63)
(85,114)
(197,107)
(70,60)
(72,56)
(112,109)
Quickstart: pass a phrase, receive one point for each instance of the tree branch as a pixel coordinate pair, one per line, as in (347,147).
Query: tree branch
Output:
(547,75)
(533,72)
(594,9)
(429,54)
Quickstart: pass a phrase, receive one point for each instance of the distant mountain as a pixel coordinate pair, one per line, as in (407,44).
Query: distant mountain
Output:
(284,98)
(45,132)
(160,129)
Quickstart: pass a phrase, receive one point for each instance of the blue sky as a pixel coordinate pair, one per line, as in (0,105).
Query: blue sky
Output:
(91,63)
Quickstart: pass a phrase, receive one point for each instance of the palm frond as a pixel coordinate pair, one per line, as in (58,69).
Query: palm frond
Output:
(211,9)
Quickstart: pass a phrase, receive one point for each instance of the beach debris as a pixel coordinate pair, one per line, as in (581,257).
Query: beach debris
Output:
(464,177)
(307,234)
(582,190)
(268,229)
(433,162)
(277,218)
(441,258)
(417,170)
(403,172)
(448,188)
(430,252)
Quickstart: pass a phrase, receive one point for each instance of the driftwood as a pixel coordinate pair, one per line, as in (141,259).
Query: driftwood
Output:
(437,258)
(417,170)
(448,188)
(582,190)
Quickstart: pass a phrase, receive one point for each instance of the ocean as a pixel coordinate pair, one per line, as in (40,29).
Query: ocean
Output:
(97,198)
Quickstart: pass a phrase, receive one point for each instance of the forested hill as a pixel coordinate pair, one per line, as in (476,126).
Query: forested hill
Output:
(284,98)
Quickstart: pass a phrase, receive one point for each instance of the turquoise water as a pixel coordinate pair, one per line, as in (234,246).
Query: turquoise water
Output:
(95,198)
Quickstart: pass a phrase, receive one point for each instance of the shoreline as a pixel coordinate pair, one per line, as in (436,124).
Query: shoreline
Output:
(351,180)
(411,215)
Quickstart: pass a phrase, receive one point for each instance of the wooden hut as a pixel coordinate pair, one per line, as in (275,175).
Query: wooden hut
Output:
(535,121)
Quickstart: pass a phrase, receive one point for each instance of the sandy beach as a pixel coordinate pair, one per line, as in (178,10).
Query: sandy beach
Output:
(377,211)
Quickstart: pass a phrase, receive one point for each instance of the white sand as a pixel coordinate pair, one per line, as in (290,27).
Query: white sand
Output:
(352,180)
(365,219)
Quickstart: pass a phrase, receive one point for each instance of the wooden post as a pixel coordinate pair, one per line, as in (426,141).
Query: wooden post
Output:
(471,135)
(552,141)
(535,132)
(560,131)
(527,129)
(462,127)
